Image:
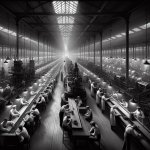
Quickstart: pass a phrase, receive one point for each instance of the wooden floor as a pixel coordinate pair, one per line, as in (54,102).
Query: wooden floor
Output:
(49,134)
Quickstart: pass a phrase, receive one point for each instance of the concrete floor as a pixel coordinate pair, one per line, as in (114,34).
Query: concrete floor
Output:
(49,135)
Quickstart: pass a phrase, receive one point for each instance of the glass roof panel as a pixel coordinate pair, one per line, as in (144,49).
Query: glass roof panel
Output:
(65,7)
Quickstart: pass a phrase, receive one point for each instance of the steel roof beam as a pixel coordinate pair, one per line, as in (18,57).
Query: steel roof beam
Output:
(67,24)
(22,14)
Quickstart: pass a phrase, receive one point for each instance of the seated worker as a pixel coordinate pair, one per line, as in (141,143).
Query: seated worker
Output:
(45,95)
(23,102)
(49,92)
(78,101)
(41,104)
(139,114)
(62,111)
(64,99)
(67,124)
(29,122)
(5,124)
(88,114)
(124,103)
(130,132)
(32,93)
(23,134)
(13,112)
(94,131)
(35,111)
(37,116)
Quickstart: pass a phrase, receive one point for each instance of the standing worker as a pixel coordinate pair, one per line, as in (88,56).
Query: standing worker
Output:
(130,132)
(113,115)
(98,96)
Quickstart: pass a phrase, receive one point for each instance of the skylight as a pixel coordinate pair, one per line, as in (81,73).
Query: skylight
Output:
(65,22)
(65,7)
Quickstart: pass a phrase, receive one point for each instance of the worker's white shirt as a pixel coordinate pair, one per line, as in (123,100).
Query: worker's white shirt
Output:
(103,102)
(98,96)
(112,117)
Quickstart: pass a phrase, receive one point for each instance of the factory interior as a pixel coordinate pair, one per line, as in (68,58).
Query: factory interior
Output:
(74,75)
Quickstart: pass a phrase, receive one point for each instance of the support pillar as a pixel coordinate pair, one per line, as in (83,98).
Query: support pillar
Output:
(17,38)
(94,50)
(101,49)
(127,47)
(38,46)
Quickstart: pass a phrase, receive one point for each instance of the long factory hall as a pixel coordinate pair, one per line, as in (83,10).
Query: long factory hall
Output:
(74,75)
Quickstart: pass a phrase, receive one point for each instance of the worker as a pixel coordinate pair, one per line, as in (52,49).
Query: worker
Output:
(7,91)
(88,115)
(23,101)
(63,109)
(98,96)
(93,89)
(23,134)
(130,132)
(5,124)
(78,101)
(103,100)
(94,131)
(29,122)
(139,114)
(113,115)
(13,112)
(41,104)
(124,103)
(67,124)
(7,94)
(64,99)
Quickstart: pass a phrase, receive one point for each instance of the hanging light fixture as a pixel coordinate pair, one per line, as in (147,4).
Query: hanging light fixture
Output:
(5,61)
(146,46)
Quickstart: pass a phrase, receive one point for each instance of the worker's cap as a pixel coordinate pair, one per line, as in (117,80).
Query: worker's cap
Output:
(87,107)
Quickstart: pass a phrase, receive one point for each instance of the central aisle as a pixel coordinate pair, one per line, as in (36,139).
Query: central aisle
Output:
(49,134)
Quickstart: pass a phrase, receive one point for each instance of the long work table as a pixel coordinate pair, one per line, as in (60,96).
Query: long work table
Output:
(123,113)
(81,127)
(76,122)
